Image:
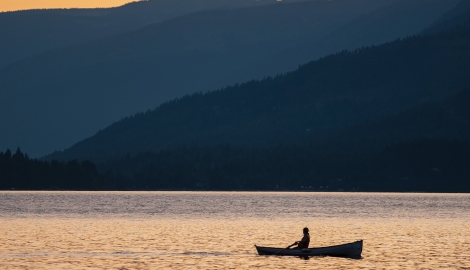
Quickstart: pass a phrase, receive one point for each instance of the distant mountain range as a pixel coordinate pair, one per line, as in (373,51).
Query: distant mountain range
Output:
(456,17)
(25,33)
(52,99)
(363,99)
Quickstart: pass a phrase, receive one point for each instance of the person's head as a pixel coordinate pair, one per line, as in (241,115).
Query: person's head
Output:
(305,230)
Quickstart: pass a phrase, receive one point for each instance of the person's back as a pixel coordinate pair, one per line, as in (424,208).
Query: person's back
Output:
(305,240)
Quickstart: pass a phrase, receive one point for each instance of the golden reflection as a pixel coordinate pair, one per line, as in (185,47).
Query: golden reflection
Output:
(12,5)
(227,244)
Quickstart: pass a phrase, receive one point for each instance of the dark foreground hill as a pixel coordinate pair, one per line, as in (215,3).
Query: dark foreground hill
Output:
(336,91)
(52,100)
(404,152)
(425,165)
(425,148)
(449,119)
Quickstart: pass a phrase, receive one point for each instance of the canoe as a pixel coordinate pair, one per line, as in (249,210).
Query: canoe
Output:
(349,250)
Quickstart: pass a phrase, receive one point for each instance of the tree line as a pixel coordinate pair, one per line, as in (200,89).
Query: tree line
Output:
(438,165)
(427,165)
(18,171)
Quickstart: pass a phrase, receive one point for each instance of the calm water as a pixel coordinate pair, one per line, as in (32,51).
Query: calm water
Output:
(217,230)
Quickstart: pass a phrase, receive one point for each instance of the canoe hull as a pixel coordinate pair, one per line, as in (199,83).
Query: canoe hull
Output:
(349,250)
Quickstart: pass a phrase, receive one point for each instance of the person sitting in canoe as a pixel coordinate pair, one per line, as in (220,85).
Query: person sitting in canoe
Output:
(305,240)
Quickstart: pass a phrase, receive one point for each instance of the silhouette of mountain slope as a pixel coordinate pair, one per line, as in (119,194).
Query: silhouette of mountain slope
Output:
(457,16)
(394,20)
(449,119)
(336,91)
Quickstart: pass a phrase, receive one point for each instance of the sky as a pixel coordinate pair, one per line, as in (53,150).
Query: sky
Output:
(12,5)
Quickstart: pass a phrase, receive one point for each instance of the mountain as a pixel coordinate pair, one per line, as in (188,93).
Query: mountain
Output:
(394,20)
(59,97)
(25,33)
(414,155)
(425,148)
(335,92)
(456,17)
(448,118)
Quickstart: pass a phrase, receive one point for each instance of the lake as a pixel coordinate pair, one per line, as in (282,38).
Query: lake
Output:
(218,230)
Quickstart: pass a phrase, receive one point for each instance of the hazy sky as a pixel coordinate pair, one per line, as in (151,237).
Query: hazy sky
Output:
(9,5)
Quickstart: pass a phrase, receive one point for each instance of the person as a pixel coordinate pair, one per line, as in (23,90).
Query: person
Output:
(305,240)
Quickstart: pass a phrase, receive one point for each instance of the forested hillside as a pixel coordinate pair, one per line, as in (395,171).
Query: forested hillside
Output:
(405,152)
(337,91)
(425,165)
(421,149)
(449,118)
(421,165)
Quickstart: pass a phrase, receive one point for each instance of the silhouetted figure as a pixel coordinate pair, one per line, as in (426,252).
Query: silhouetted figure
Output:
(305,240)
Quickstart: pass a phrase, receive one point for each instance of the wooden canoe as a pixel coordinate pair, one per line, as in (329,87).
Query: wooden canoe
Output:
(349,250)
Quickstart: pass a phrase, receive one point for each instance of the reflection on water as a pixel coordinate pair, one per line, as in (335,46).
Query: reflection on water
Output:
(217,230)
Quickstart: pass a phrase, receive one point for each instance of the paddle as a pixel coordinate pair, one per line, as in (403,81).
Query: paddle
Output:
(285,248)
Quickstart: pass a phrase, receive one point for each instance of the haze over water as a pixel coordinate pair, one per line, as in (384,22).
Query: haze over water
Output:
(217,230)
(13,5)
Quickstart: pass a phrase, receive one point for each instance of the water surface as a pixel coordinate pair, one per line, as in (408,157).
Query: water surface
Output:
(218,230)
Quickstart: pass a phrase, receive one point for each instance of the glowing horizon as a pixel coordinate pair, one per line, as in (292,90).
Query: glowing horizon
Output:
(16,5)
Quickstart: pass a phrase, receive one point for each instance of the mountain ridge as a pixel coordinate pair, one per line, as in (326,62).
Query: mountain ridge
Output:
(28,32)
(455,17)
(309,100)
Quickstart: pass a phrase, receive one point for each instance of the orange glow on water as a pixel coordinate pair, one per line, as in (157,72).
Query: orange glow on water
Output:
(221,244)
(12,5)
(218,230)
